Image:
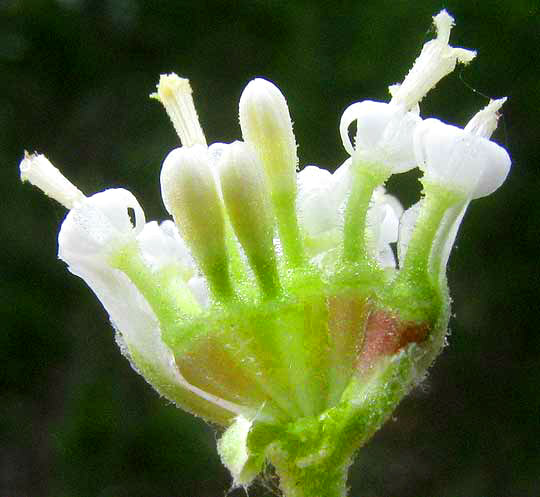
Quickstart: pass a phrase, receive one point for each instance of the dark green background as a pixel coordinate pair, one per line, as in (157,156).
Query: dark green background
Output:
(75,420)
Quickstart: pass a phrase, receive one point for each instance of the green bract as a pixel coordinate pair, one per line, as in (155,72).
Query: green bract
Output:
(273,304)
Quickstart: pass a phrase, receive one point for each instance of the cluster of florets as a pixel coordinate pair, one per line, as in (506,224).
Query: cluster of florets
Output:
(272,291)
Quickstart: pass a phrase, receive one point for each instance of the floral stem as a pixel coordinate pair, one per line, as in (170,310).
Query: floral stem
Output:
(414,291)
(364,183)
(316,480)
(289,231)
(312,455)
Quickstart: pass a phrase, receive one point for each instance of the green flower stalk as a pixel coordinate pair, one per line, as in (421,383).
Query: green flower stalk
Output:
(273,304)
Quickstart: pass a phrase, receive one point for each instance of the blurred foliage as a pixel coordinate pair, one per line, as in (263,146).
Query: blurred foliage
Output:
(75,420)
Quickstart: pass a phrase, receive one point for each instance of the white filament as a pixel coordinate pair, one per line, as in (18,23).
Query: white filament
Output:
(37,169)
(175,94)
(484,122)
(436,60)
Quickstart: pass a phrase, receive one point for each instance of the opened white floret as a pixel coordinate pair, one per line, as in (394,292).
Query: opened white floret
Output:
(98,228)
(463,159)
(322,197)
(459,165)
(384,131)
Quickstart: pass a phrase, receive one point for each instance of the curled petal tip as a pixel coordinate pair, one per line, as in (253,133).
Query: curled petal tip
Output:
(384,135)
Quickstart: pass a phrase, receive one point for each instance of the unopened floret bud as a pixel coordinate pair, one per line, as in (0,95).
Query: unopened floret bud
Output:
(189,193)
(266,124)
(248,205)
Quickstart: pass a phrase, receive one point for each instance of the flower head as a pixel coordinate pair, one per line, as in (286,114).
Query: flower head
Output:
(272,303)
